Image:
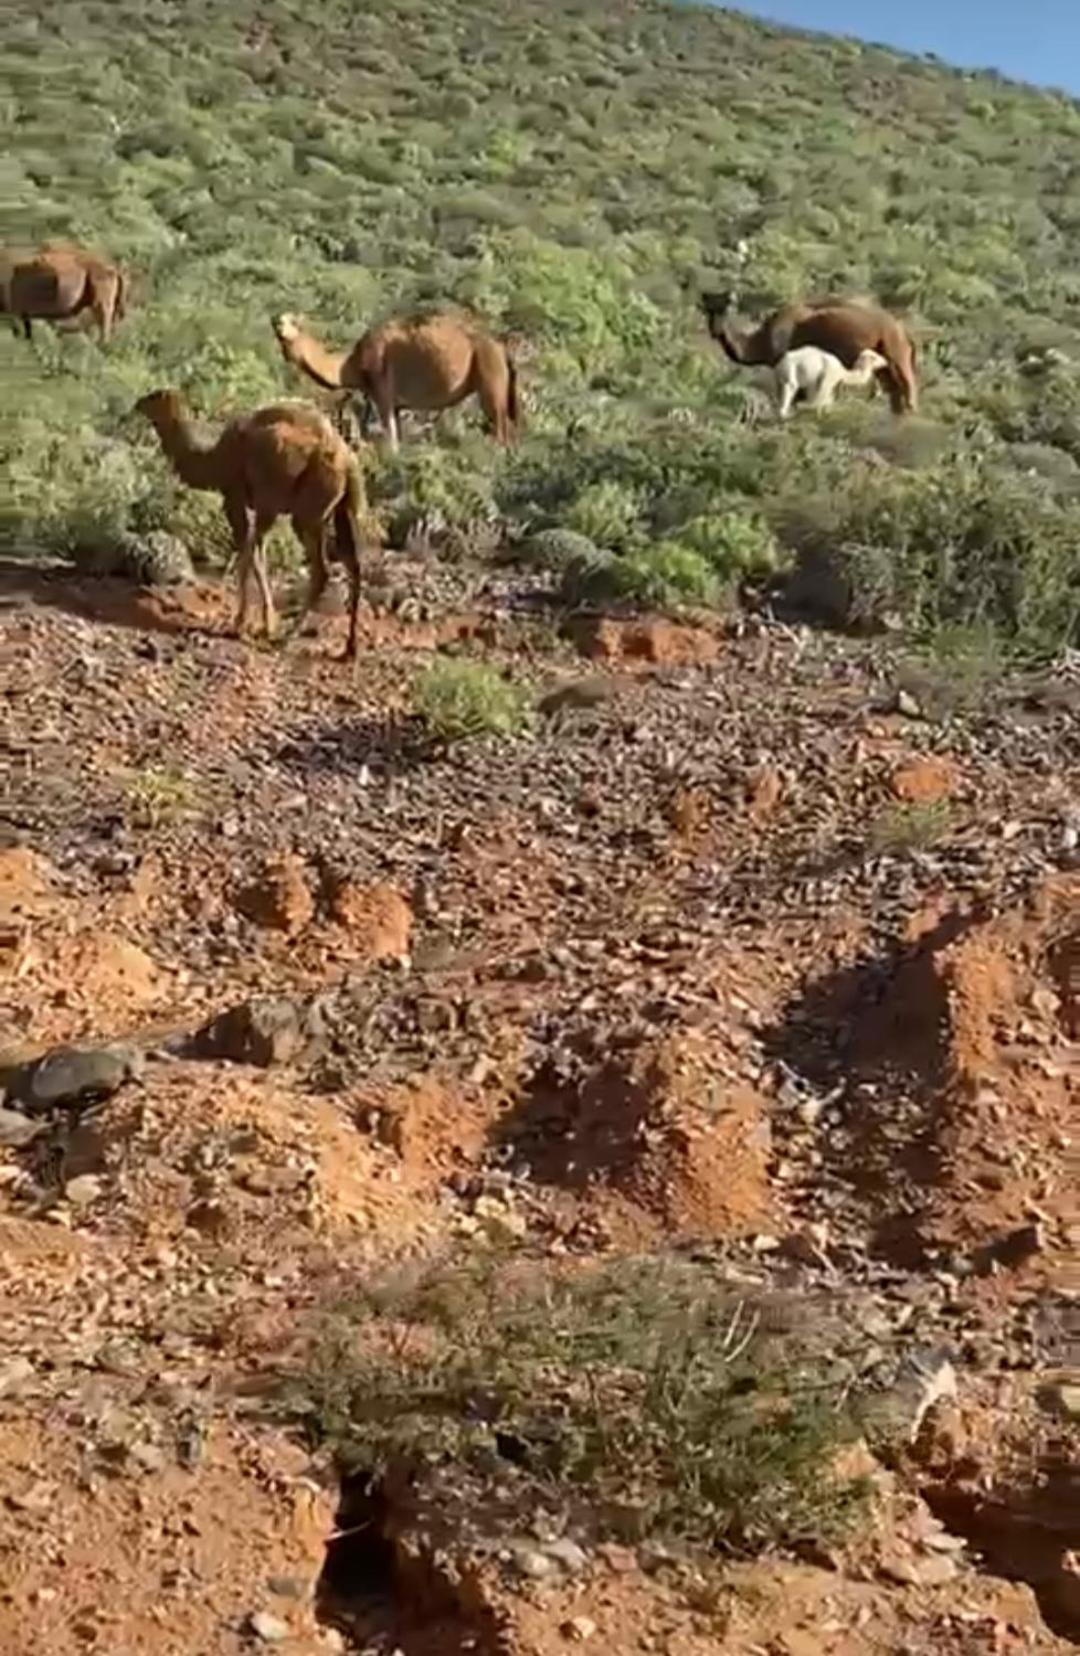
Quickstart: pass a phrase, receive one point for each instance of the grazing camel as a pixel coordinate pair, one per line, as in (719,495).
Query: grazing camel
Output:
(59,282)
(422,362)
(842,327)
(283,459)
(819,375)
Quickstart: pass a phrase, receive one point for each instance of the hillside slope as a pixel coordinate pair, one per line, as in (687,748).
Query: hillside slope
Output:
(567,1137)
(574,173)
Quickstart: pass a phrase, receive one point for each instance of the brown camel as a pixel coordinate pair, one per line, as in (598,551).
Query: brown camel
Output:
(843,327)
(284,459)
(57,283)
(422,362)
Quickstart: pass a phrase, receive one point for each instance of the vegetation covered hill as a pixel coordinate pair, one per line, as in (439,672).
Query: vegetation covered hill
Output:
(574,172)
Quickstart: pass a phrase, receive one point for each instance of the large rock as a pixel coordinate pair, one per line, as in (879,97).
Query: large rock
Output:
(73,1075)
(264,1031)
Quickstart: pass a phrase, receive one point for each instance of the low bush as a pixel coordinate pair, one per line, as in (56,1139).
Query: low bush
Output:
(642,1388)
(666,575)
(458,699)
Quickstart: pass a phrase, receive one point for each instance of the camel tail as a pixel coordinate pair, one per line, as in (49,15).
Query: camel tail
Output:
(514,410)
(347,546)
(120,310)
(347,518)
(902,384)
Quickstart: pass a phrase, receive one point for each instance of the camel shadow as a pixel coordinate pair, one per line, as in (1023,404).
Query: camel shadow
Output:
(874,1036)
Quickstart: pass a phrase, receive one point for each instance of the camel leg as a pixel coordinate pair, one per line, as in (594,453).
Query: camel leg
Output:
(263,524)
(242,536)
(367,418)
(103,303)
(27,331)
(312,537)
(382,395)
(349,554)
(496,412)
(786,399)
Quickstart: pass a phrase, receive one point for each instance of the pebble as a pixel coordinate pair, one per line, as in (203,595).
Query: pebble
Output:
(148,1456)
(1067,1400)
(82,1191)
(17,1130)
(578,1628)
(286,1586)
(529,1561)
(568,1554)
(270,1629)
(40,1497)
(14,1375)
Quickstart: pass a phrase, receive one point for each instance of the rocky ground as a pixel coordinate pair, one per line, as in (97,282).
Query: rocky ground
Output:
(758,945)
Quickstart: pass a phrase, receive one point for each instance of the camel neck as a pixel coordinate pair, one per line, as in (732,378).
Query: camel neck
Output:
(317,362)
(193,461)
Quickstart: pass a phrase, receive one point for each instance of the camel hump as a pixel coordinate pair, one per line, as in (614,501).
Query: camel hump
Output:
(438,328)
(47,285)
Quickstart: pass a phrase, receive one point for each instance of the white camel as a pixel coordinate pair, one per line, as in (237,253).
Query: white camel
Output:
(820,375)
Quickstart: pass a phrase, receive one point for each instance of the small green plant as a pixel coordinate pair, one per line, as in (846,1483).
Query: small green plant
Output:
(641,1388)
(159,793)
(458,699)
(911,827)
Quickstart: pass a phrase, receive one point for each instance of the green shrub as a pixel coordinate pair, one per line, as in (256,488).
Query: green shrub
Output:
(737,544)
(638,1390)
(607,513)
(557,549)
(666,575)
(957,546)
(459,699)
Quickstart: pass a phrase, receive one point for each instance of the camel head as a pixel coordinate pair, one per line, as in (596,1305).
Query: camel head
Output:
(161,405)
(870,362)
(286,327)
(717,305)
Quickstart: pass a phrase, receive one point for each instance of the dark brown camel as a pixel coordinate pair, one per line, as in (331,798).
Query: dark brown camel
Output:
(57,283)
(843,327)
